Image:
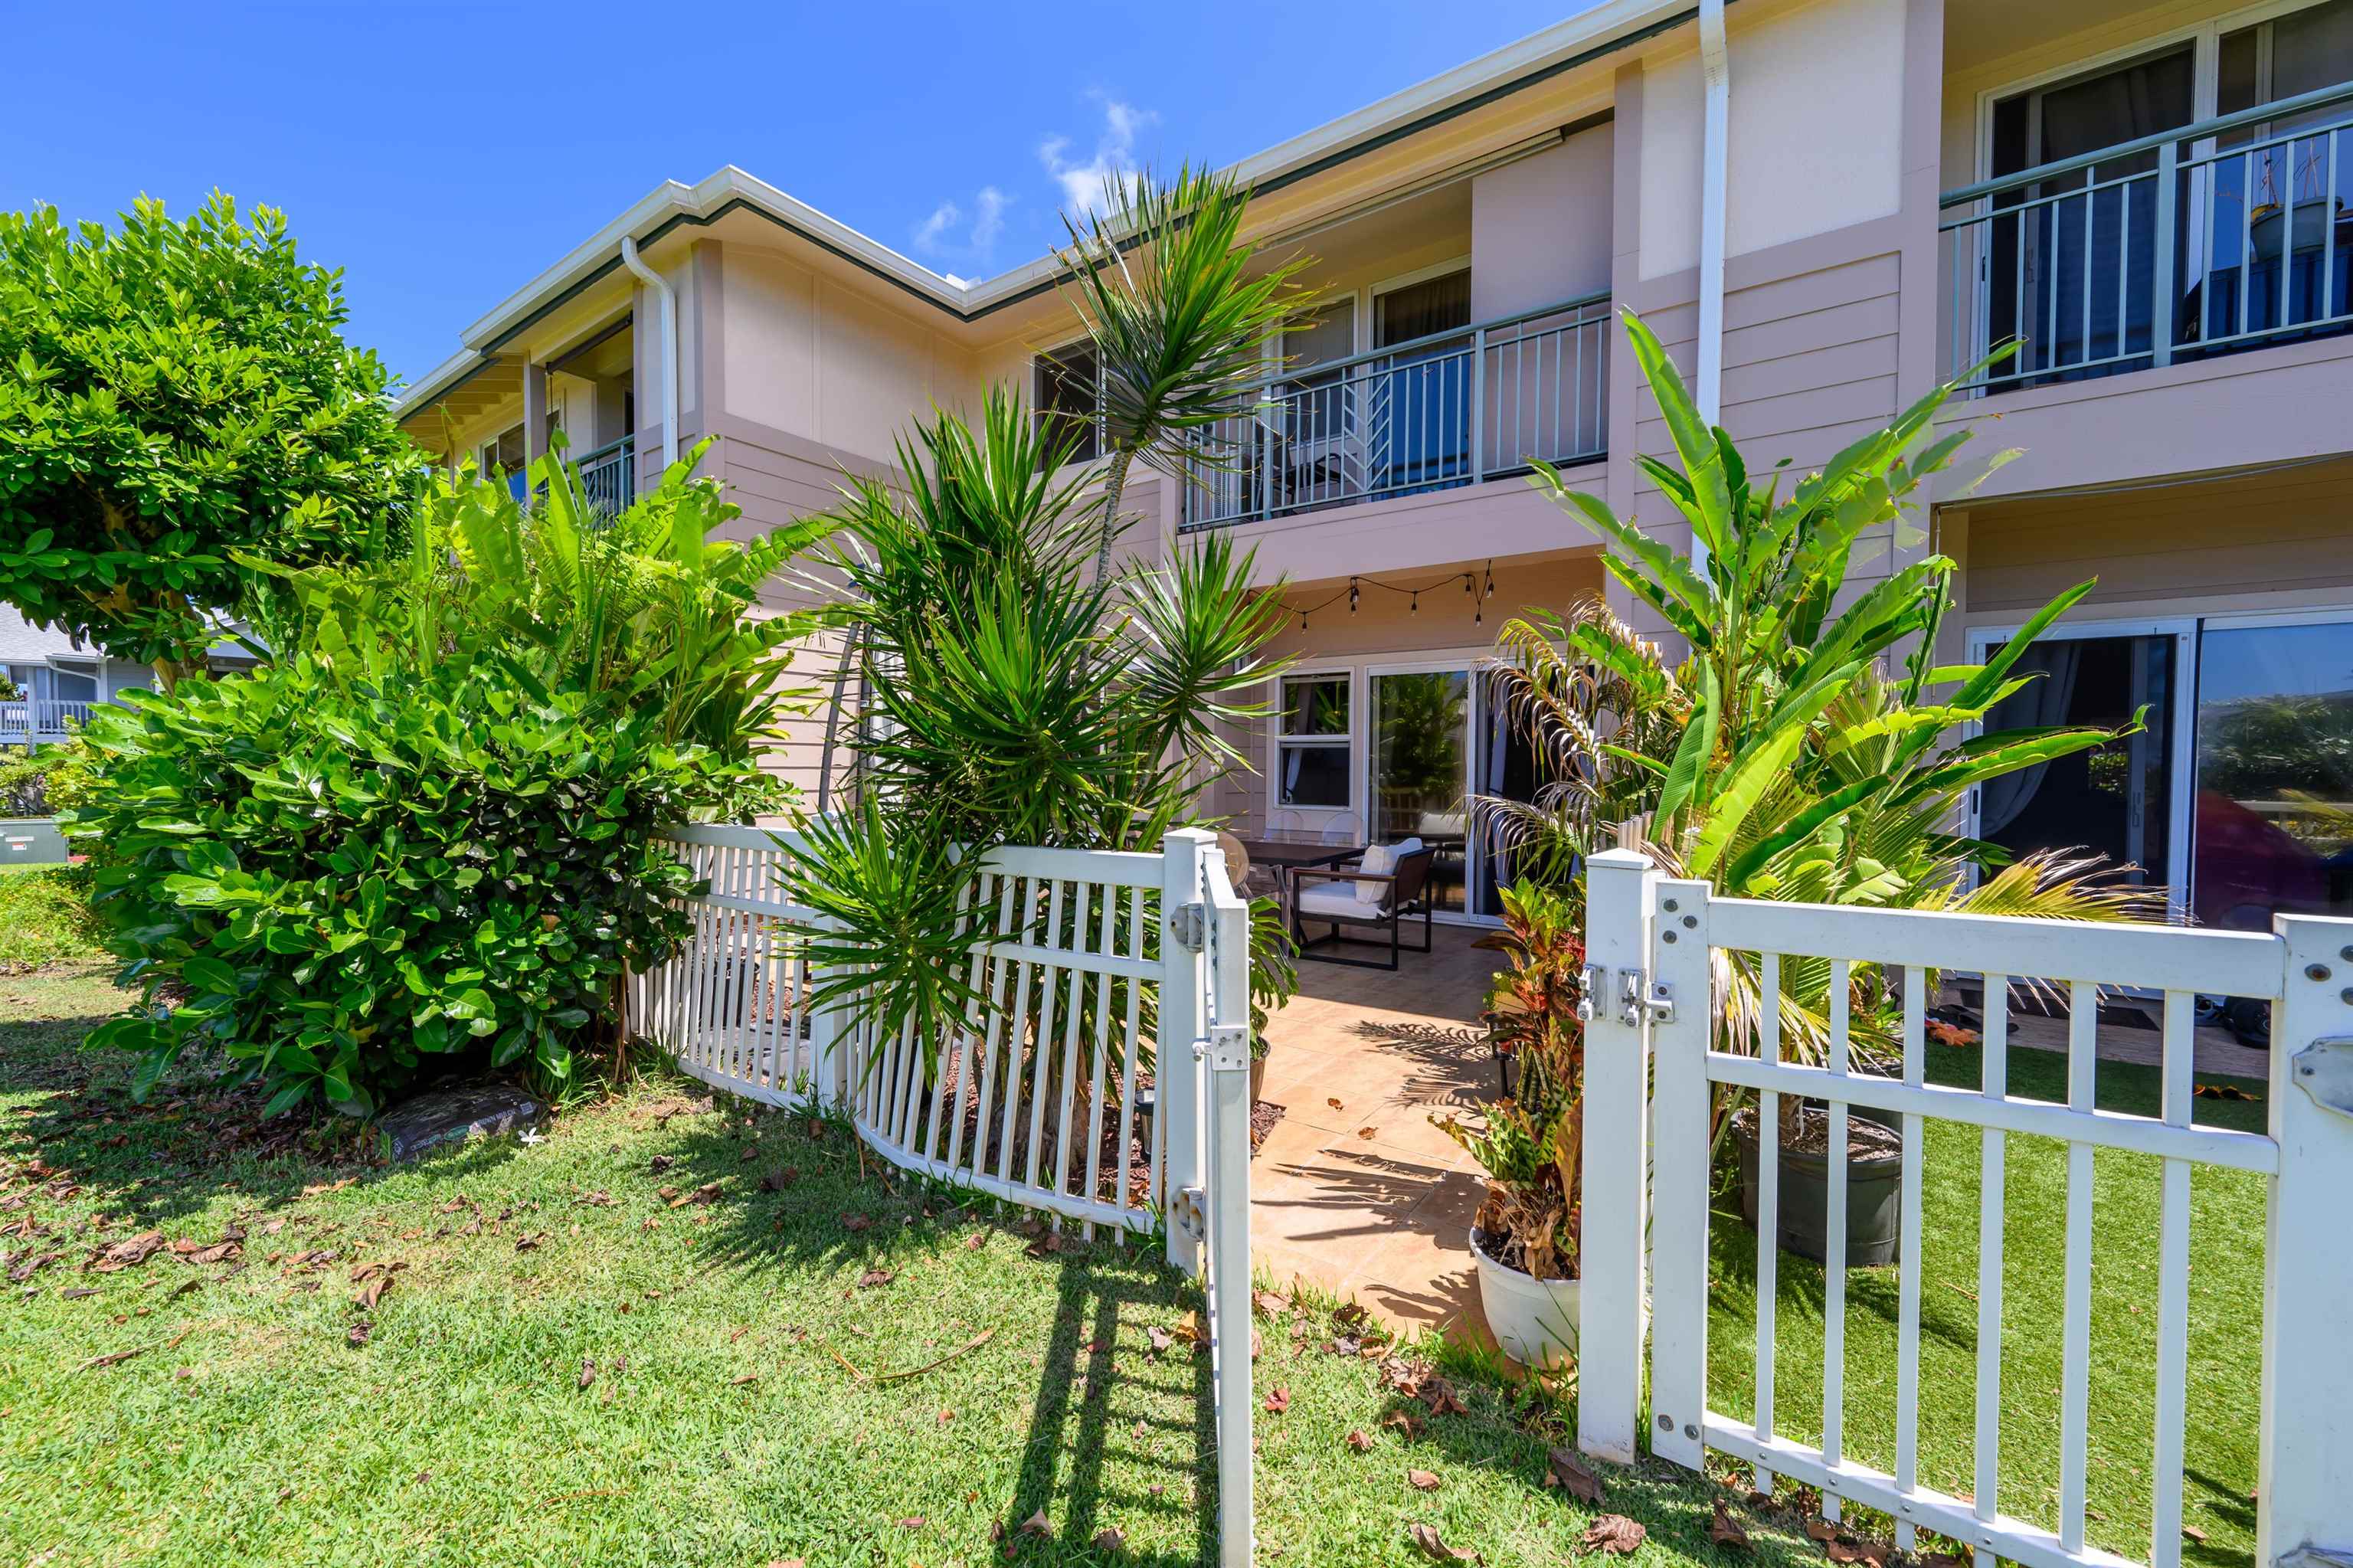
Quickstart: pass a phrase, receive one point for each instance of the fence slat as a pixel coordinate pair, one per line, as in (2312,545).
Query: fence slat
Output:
(2075,1334)
(1769,1203)
(1907,1259)
(1992,1197)
(1834,1233)
(2173,1292)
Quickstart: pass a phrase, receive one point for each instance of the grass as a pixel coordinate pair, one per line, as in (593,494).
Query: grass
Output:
(718,1423)
(44,915)
(2227,1211)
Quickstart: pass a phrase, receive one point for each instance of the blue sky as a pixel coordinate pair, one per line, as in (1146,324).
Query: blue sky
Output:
(443,155)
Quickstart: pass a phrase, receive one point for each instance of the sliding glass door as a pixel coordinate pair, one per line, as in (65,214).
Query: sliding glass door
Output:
(2274,815)
(1419,768)
(1435,741)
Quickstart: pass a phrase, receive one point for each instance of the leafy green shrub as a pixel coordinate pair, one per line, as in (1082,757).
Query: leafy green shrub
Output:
(424,838)
(44,915)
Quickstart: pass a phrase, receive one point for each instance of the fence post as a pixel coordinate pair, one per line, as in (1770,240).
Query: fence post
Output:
(1619,887)
(2306,1447)
(2166,302)
(1229,1223)
(1177,1074)
(1682,1109)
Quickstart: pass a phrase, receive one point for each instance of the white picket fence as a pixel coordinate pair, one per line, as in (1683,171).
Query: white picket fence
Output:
(1658,950)
(1036,1098)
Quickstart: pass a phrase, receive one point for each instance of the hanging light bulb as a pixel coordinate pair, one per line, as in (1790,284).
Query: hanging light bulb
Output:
(1352,595)
(1302,621)
(1415,607)
(1490,581)
(1466,582)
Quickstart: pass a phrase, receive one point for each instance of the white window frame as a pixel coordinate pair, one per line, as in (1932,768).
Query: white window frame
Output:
(1351,743)
(1037,358)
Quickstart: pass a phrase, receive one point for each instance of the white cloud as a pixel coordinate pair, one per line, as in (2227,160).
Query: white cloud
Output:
(1114,155)
(929,233)
(946,233)
(987,218)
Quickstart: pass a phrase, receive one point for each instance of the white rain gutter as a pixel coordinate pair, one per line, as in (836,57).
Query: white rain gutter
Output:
(660,286)
(1716,76)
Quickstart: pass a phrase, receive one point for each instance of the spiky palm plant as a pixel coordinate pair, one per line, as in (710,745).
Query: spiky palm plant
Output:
(1018,700)
(1182,318)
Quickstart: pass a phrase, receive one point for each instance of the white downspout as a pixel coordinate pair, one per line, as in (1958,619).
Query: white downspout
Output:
(1715,75)
(660,286)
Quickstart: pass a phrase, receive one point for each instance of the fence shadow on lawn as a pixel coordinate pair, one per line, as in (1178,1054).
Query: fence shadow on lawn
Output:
(1095,1384)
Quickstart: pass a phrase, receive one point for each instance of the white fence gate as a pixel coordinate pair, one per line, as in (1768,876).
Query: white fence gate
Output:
(1088,959)
(1659,952)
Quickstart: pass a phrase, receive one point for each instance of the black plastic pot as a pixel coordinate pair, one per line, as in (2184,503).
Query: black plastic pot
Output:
(1874,1195)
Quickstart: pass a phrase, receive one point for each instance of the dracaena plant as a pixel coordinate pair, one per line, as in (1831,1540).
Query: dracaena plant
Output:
(1807,746)
(1182,317)
(1018,699)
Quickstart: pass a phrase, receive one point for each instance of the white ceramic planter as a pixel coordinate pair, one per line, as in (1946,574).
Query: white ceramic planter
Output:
(1534,1320)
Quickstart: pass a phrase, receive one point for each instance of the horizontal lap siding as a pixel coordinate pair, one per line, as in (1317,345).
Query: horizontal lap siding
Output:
(2287,530)
(1809,367)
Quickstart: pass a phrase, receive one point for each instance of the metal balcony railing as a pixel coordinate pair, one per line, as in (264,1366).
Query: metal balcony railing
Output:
(610,477)
(40,719)
(2229,233)
(1440,412)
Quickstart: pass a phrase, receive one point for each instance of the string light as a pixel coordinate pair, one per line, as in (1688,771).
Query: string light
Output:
(1477,588)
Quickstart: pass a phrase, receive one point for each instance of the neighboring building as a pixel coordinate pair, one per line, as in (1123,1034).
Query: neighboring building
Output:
(2152,195)
(55,681)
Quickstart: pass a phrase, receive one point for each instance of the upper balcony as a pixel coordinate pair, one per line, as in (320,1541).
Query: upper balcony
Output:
(1444,410)
(2224,234)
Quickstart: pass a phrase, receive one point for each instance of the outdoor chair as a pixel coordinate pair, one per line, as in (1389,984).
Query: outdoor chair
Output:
(1383,891)
(1342,830)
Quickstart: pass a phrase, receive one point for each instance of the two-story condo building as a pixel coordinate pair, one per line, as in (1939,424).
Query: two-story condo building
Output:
(1822,206)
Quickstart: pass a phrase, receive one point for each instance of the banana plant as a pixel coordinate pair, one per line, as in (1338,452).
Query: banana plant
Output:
(1807,746)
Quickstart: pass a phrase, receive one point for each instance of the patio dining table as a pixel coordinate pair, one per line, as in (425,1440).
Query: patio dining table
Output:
(1287,850)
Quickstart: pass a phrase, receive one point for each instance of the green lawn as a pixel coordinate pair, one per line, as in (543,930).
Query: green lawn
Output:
(2225,1329)
(721,1425)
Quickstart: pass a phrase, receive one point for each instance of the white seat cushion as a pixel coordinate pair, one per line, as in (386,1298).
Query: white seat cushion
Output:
(1331,900)
(1378,860)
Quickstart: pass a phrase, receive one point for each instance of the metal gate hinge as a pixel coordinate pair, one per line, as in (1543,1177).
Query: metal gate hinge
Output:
(1186,1212)
(1637,996)
(1226,1050)
(1592,981)
(1189,925)
(2324,1070)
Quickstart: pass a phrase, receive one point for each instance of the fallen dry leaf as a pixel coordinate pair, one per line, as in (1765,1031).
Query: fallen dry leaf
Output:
(1426,1539)
(1271,1303)
(1564,1470)
(529,1243)
(1359,1442)
(1278,1401)
(1334,1103)
(1111,1538)
(1160,1338)
(1421,1480)
(126,1253)
(2194,1533)
(912,1521)
(1613,1535)
(742,1378)
(874,1277)
(1039,1525)
(587,1372)
(777,1180)
(975,1242)
(854,1223)
(1408,1424)
(371,1292)
(360,1332)
(1725,1530)
(1821,1529)
(1368,1132)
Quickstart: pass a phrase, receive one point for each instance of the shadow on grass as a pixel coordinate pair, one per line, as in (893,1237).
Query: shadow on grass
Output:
(809,1197)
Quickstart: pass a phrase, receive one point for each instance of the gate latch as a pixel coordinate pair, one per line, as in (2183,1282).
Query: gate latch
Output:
(1638,995)
(1189,923)
(2324,1070)
(1592,981)
(1186,1212)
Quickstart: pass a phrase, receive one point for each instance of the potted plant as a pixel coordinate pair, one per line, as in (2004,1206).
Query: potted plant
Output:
(1525,1236)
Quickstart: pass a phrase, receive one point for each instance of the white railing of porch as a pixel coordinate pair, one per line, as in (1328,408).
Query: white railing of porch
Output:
(1660,945)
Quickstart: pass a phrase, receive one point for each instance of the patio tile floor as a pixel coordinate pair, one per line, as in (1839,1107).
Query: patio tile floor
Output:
(1355,1190)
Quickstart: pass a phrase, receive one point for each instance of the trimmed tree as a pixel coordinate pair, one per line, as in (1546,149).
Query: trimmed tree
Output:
(173,394)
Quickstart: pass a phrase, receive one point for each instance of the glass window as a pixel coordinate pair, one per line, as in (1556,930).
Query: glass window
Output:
(1067,396)
(505,456)
(1312,747)
(1421,736)
(2274,804)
